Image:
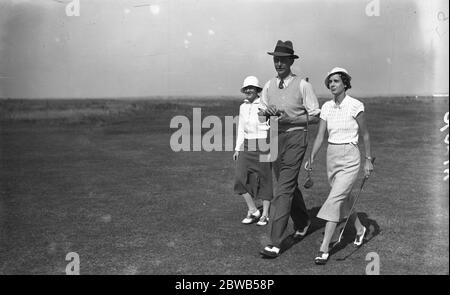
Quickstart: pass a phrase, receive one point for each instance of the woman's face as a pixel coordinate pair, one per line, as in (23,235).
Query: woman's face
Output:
(336,85)
(250,94)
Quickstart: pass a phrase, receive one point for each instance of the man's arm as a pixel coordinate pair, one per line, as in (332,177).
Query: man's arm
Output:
(299,120)
(310,101)
(263,104)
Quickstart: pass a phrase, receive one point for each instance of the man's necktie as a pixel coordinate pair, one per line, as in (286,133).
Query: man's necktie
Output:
(281,85)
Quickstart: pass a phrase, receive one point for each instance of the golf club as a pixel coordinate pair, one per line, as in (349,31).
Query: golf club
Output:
(353,206)
(309,182)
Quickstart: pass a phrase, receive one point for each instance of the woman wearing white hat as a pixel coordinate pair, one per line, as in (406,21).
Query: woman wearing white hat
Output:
(343,117)
(253,177)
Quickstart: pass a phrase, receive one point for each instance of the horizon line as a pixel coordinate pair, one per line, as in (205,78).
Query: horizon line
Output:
(443,95)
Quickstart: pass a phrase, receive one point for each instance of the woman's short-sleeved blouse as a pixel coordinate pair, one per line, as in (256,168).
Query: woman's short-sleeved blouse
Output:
(341,120)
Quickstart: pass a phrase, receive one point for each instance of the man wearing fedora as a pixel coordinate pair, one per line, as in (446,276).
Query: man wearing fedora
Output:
(288,97)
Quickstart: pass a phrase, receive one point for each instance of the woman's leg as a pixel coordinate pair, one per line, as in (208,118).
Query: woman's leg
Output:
(358,225)
(330,227)
(253,213)
(360,232)
(250,203)
(266,206)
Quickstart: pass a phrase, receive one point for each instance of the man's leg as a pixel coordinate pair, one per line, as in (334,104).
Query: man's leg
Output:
(276,202)
(289,168)
(299,213)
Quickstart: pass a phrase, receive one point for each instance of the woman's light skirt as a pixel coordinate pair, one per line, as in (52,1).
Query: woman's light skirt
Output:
(343,163)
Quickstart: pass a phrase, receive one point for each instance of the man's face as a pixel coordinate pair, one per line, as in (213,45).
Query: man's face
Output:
(283,65)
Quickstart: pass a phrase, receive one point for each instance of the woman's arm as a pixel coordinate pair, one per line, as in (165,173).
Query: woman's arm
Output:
(317,142)
(240,136)
(368,166)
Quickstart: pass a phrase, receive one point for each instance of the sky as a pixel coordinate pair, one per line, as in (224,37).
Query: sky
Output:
(145,48)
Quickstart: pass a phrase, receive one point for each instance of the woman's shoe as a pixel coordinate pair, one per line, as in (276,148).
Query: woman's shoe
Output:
(251,217)
(263,220)
(321,258)
(360,238)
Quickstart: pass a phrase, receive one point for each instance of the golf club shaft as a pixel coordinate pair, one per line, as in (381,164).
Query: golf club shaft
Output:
(354,203)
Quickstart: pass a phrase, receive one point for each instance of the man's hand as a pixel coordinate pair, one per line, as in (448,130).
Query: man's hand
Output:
(284,118)
(236,155)
(272,111)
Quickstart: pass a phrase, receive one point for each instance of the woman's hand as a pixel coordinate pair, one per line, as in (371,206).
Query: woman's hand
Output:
(368,168)
(235,155)
(309,164)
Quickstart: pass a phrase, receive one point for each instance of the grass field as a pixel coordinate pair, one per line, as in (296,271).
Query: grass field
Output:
(98,177)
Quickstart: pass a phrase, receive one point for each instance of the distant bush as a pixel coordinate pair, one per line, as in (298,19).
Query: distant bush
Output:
(88,110)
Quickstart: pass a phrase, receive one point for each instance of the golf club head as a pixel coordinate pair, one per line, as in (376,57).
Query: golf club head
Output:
(308,183)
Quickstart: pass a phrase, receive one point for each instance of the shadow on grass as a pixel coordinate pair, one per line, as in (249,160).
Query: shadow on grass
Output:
(373,230)
(316,224)
(347,238)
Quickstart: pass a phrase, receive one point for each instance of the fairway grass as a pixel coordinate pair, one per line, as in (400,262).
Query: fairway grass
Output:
(98,177)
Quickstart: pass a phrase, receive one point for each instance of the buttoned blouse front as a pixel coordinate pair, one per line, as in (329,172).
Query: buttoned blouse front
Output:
(341,121)
(249,126)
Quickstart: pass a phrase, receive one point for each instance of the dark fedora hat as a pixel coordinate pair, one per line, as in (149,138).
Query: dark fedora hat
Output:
(284,49)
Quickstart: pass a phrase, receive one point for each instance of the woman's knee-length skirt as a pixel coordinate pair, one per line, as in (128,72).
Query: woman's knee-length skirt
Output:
(253,176)
(343,163)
